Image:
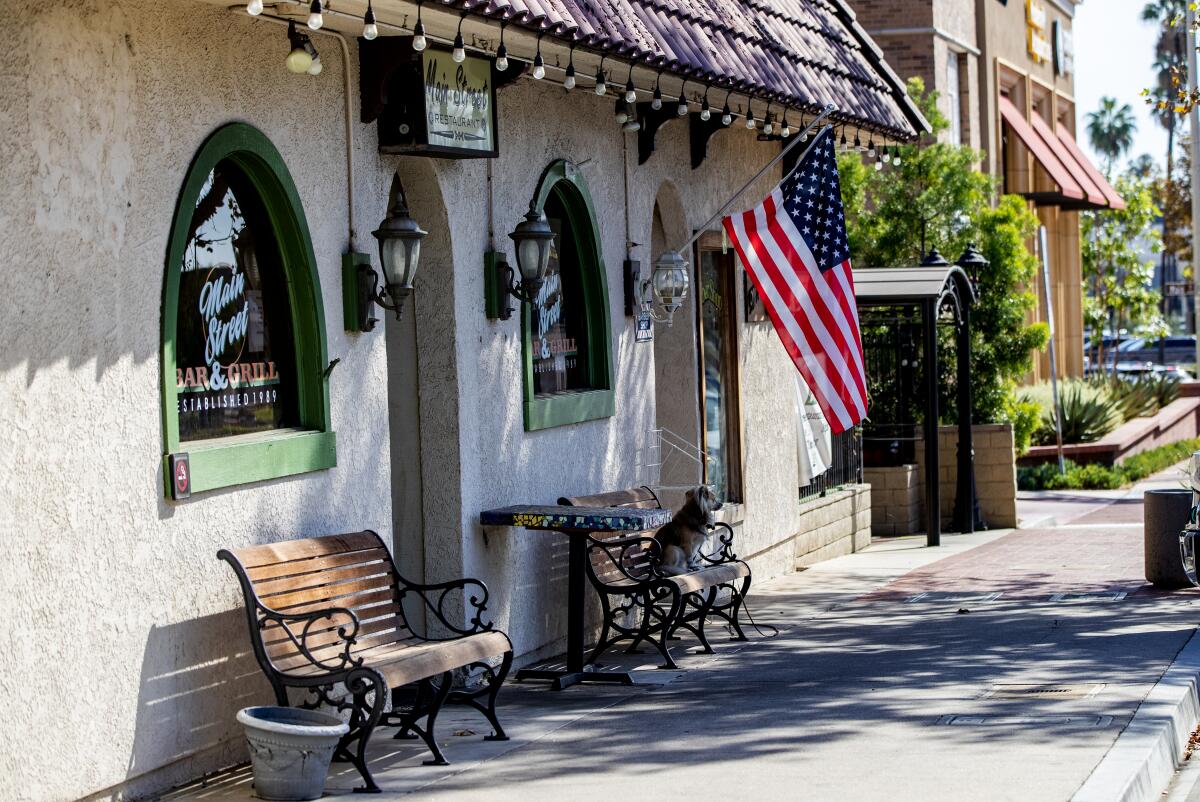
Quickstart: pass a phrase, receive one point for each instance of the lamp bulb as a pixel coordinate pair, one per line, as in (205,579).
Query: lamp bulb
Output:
(315,18)
(316,67)
(298,61)
(569,80)
(539,72)
(254,8)
(502,58)
(705,115)
(682,108)
(871,153)
(656,102)
(750,124)
(786,131)
(878,166)
(622,116)
(459,53)
(418,42)
(726,118)
(370,31)
(630,95)
(601,85)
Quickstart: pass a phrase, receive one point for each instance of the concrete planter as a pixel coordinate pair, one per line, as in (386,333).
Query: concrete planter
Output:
(290,750)
(1165,515)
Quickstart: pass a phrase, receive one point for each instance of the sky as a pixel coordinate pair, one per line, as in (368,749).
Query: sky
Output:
(1114,53)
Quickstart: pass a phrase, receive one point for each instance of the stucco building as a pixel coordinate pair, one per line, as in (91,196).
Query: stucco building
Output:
(1004,72)
(187,365)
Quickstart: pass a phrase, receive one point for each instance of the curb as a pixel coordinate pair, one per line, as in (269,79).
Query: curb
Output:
(1142,761)
(1044,522)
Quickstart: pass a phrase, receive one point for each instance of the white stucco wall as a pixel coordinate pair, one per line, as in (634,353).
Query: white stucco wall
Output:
(127,617)
(124,647)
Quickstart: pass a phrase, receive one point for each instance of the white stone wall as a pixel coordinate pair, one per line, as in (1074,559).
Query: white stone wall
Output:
(128,624)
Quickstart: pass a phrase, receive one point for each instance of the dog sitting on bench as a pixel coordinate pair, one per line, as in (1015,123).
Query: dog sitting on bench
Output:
(682,538)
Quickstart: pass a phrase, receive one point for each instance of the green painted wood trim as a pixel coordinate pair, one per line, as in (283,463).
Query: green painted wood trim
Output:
(253,153)
(278,454)
(350,263)
(561,409)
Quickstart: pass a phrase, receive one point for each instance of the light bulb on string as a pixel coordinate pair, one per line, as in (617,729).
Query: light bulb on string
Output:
(370,29)
(896,157)
(726,113)
(803,130)
(298,58)
(768,121)
(419,42)
(750,123)
(601,84)
(871,147)
(857,142)
(622,112)
(315,18)
(254,7)
(887,154)
(786,130)
(843,143)
(630,90)
(878,165)
(459,53)
(656,98)
(502,53)
(539,65)
(569,78)
(682,109)
(705,109)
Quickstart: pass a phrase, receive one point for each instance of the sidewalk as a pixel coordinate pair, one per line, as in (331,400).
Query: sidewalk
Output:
(900,673)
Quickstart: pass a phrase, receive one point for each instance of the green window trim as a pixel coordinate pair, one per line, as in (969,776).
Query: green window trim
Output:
(253,458)
(562,409)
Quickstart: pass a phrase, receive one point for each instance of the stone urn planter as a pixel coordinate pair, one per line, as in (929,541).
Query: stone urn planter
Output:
(290,750)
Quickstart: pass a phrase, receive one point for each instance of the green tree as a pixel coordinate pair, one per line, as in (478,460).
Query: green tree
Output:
(1110,129)
(937,198)
(1115,272)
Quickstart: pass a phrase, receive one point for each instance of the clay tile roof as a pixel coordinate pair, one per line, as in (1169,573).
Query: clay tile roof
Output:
(801,53)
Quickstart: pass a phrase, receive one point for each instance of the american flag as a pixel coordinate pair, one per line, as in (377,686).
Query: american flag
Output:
(794,247)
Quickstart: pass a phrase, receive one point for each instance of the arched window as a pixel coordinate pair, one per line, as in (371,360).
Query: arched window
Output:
(568,358)
(243,335)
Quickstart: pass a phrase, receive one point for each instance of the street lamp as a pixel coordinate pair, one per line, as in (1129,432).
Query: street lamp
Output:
(972,261)
(934,259)
(399,254)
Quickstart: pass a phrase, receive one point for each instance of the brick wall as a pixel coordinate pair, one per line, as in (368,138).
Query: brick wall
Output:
(995,473)
(895,500)
(834,524)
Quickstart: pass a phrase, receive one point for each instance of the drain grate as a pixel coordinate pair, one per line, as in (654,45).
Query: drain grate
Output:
(1109,596)
(1026,721)
(956,598)
(1014,690)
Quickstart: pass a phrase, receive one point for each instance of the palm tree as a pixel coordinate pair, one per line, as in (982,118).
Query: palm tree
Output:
(1142,166)
(1111,130)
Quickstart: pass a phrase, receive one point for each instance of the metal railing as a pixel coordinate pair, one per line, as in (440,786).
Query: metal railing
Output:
(846,455)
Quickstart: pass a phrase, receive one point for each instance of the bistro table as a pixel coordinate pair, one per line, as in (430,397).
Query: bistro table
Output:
(576,523)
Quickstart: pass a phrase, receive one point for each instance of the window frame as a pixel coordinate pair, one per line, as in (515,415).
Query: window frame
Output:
(565,408)
(731,356)
(242,459)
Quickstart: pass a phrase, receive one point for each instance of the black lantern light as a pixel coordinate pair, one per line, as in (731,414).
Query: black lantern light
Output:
(973,262)
(399,254)
(934,259)
(668,286)
(532,240)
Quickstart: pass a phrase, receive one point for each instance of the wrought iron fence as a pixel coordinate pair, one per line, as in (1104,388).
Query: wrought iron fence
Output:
(846,454)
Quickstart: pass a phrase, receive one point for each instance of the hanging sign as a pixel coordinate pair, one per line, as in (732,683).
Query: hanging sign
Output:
(1035,32)
(438,107)
(645,325)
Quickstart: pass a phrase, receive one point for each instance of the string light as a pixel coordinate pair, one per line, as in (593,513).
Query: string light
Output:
(887,154)
(254,8)
(419,43)
(803,130)
(459,53)
(726,114)
(656,99)
(502,52)
(630,90)
(857,142)
(539,66)
(768,121)
(896,157)
(622,112)
(315,18)
(601,84)
(682,108)
(750,123)
(705,109)
(871,147)
(843,142)
(298,58)
(370,29)
(315,67)
(569,80)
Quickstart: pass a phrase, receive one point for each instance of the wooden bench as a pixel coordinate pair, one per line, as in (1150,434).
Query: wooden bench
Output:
(624,571)
(332,610)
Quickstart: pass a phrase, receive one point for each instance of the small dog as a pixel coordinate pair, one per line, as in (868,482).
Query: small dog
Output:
(681,539)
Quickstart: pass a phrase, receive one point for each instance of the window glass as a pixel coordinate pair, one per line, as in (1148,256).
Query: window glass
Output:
(234,369)
(953,87)
(718,324)
(559,314)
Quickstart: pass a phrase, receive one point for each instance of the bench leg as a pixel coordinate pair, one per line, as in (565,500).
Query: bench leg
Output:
(665,628)
(694,621)
(496,678)
(428,703)
(735,615)
(364,715)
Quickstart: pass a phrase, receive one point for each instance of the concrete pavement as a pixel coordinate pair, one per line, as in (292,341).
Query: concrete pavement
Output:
(1000,666)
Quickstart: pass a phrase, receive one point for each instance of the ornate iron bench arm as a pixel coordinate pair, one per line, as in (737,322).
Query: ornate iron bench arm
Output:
(436,596)
(724,552)
(620,550)
(322,620)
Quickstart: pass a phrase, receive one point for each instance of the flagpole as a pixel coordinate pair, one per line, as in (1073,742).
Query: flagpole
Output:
(825,112)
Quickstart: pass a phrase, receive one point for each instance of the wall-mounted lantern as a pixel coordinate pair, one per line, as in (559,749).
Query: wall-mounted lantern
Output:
(668,286)
(972,261)
(532,240)
(399,254)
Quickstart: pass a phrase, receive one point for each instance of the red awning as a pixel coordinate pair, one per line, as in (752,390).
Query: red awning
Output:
(1114,201)
(1081,176)
(1041,150)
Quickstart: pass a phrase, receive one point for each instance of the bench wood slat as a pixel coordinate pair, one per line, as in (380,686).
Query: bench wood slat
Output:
(355,603)
(337,594)
(313,564)
(272,588)
(289,550)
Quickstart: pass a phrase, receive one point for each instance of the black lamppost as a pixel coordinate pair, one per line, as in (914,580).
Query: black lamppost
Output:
(973,262)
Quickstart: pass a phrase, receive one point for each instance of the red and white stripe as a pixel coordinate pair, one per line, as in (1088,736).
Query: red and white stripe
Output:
(813,312)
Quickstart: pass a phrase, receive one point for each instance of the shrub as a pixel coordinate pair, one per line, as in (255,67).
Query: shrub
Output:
(1101,477)
(1088,412)
(1025,417)
(1140,397)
